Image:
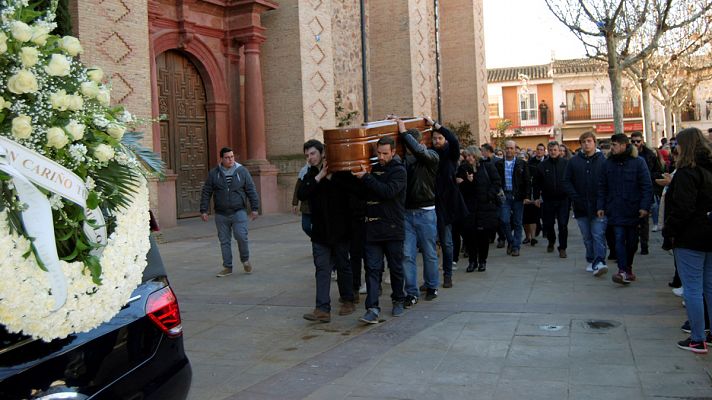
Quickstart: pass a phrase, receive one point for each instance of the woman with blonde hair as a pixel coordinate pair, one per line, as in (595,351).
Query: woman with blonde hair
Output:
(688,202)
(480,186)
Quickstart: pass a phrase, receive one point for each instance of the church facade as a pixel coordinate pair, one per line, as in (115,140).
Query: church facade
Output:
(263,76)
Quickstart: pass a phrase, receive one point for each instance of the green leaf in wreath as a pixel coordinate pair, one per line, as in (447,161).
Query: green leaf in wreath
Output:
(92,200)
(94,267)
(72,255)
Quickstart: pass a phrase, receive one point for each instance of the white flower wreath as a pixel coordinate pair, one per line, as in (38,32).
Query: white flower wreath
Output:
(71,173)
(25,300)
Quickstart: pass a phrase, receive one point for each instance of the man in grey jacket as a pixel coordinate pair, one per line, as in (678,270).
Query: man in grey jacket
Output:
(231,186)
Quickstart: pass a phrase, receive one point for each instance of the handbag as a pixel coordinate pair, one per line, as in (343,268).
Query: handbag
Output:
(499,199)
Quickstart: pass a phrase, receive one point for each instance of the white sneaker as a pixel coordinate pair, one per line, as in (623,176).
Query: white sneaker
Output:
(454,266)
(387,279)
(362,289)
(333,275)
(600,269)
(589,267)
(656,228)
(678,291)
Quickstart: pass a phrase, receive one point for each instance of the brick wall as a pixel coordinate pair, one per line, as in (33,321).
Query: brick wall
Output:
(114,36)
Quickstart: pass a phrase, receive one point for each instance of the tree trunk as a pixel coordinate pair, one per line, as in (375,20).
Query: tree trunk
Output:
(668,121)
(614,74)
(678,120)
(647,110)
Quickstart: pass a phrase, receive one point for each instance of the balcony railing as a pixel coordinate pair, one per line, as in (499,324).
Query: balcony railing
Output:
(525,119)
(599,111)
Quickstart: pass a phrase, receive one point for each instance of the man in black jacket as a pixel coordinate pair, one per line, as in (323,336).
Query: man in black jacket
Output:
(548,188)
(232,187)
(581,185)
(331,220)
(449,205)
(656,172)
(420,219)
(514,174)
(385,227)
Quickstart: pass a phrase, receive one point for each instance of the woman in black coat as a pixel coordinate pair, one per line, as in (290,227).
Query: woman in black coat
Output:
(688,229)
(480,185)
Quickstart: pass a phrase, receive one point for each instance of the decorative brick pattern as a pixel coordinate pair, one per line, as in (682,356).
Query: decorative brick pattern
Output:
(114,34)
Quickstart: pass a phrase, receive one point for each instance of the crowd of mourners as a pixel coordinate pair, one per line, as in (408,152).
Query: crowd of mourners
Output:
(438,199)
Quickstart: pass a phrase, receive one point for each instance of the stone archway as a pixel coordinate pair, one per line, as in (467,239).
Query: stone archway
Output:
(184,132)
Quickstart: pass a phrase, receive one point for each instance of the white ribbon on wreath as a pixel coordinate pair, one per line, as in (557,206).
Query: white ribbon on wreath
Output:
(27,169)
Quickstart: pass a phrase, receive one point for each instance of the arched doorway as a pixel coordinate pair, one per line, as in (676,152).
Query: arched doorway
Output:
(184,132)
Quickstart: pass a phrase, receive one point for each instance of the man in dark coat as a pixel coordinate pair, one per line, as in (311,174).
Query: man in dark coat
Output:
(624,196)
(549,189)
(331,220)
(449,205)
(581,185)
(385,227)
(516,182)
(656,172)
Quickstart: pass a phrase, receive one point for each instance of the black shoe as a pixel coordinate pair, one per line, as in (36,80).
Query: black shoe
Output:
(644,251)
(471,266)
(482,267)
(515,253)
(686,327)
(491,240)
(533,242)
(410,301)
(500,244)
(431,294)
(691,345)
(525,241)
(550,247)
(447,282)
(509,250)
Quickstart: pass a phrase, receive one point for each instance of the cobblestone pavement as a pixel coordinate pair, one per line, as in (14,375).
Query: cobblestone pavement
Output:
(533,327)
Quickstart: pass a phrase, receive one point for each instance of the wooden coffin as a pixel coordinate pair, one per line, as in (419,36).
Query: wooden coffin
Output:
(349,148)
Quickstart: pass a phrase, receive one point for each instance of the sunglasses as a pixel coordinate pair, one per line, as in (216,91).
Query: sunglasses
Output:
(636,141)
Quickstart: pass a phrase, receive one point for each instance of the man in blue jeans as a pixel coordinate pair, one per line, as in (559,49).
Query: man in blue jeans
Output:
(625,194)
(232,187)
(421,163)
(384,189)
(581,185)
(514,173)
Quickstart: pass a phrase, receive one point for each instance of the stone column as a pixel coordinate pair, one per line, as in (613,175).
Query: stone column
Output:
(254,103)
(463,70)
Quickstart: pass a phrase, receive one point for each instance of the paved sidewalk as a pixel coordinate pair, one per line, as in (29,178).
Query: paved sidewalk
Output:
(531,327)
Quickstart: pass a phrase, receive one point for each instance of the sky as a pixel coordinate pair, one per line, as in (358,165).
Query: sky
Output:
(525,32)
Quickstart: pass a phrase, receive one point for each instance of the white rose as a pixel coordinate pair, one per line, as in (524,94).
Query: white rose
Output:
(104,97)
(75,129)
(103,152)
(3,42)
(21,31)
(22,82)
(58,65)
(4,104)
(75,103)
(29,56)
(116,131)
(95,74)
(71,45)
(59,100)
(22,127)
(40,33)
(56,138)
(90,89)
